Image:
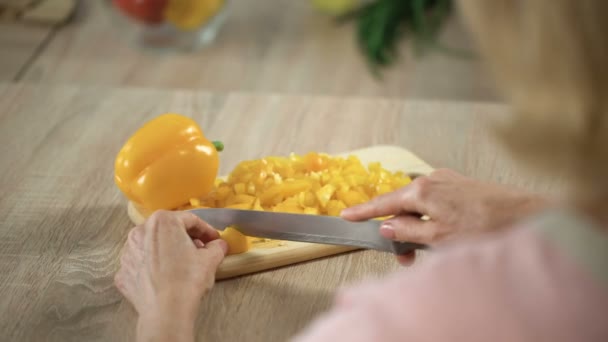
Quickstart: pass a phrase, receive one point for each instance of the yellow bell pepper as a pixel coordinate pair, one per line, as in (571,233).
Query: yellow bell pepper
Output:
(314,183)
(191,14)
(167,162)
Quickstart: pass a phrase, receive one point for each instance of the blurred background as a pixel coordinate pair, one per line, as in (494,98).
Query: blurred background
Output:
(386,48)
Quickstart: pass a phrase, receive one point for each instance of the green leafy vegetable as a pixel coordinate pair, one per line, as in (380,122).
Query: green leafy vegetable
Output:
(382,23)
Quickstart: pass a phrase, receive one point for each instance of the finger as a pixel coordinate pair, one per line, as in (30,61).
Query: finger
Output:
(131,258)
(123,281)
(407,259)
(136,237)
(214,252)
(161,222)
(119,281)
(383,205)
(135,241)
(124,284)
(198,243)
(197,228)
(409,228)
(393,203)
(204,236)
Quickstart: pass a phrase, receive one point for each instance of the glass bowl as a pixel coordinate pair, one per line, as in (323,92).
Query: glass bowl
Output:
(154,30)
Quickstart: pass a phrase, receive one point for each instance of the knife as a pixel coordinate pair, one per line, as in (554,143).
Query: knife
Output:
(306,228)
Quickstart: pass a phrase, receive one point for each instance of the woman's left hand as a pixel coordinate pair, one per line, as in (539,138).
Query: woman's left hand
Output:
(167,265)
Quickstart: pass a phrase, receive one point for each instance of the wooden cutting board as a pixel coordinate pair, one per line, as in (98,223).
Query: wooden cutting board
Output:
(272,254)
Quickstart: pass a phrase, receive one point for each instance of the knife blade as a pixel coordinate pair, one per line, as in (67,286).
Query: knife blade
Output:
(305,228)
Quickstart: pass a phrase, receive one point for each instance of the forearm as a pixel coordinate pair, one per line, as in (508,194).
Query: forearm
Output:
(164,328)
(168,322)
(531,204)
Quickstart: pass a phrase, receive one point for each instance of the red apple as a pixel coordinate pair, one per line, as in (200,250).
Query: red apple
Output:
(146,11)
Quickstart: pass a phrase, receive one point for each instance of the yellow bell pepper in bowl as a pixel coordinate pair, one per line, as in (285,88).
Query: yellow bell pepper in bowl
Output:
(169,25)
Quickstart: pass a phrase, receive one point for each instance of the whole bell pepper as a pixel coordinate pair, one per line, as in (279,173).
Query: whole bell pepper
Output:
(167,162)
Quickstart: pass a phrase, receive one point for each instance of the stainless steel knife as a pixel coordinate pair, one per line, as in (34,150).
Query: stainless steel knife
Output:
(306,228)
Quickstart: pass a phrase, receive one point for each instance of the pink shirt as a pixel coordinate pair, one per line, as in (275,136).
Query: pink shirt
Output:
(544,281)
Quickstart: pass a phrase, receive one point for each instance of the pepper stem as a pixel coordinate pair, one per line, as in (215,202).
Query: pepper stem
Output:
(219,146)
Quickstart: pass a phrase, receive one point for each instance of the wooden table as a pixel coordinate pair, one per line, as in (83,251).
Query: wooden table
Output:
(62,220)
(19,46)
(265,46)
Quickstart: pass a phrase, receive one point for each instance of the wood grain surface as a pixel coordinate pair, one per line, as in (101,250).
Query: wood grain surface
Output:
(19,46)
(280,46)
(62,220)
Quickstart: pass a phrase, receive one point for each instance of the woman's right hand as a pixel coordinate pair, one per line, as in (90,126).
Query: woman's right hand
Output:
(457,206)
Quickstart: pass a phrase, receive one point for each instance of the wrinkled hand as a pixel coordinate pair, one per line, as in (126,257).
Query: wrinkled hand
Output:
(167,265)
(457,206)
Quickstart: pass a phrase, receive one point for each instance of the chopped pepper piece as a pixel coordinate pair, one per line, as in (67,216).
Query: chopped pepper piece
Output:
(237,242)
(314,183)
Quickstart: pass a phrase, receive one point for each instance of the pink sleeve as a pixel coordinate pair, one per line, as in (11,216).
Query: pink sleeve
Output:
(514,288)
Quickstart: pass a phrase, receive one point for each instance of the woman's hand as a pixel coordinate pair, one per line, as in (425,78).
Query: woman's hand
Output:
(457,206)
(167,265)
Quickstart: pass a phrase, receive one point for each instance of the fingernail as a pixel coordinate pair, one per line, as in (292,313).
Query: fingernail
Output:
(345,212)
(387,231)
(407,259)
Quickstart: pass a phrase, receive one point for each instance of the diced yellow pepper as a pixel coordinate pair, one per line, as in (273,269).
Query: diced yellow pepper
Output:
(240,199)
(245,206)
(269,194)
(383,189)
(240,188)
(314,184)
(257,205)
(352,198)
(311,211)
(237,242)
(287,208)
(251,188)
(335,207)
(223,190)
(285,189)
(314,161)
(324,194)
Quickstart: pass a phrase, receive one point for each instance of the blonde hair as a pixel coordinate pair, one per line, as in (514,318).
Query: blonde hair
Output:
(550,59)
